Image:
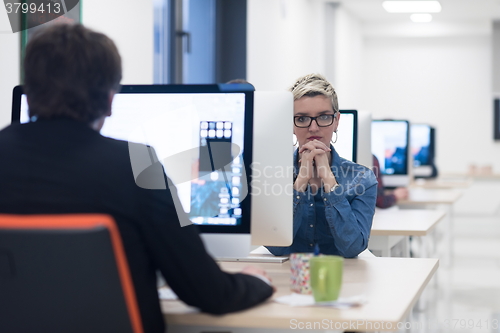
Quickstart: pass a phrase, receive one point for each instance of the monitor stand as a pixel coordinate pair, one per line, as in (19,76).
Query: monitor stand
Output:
(236,247)
(394,181)
(423,171)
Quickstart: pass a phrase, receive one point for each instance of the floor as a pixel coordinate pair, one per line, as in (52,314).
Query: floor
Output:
(465,297)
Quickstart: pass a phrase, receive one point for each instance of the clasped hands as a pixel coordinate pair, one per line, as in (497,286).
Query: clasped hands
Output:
(314,164)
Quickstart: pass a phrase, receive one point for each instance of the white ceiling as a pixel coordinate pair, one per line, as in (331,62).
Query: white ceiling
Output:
(371,11)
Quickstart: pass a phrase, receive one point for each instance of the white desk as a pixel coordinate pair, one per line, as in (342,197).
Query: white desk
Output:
(392,226)
(443,183)
(391,286)
(424,196)
(442,199)
(475,176)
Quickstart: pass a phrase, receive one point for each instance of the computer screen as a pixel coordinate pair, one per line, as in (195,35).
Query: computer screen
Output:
(347,134)
(421,144)
(390,145)
(201,129)
(205,135)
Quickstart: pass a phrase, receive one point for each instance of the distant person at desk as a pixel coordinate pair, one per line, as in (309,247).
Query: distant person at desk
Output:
(59,163)
(334,199)
(387,198)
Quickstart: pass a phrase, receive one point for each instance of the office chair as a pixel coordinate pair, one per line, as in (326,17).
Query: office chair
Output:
(64,273)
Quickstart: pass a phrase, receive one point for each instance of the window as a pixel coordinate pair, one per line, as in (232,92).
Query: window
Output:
(199,41)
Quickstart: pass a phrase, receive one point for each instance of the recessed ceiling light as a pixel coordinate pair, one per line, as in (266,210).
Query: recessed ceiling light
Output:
(421,18)
(412,6)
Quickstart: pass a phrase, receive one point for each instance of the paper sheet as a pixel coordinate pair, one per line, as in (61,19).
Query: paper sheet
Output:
(166,294)
(308,300)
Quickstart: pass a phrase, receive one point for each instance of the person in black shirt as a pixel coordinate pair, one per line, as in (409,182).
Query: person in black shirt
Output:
(59,163)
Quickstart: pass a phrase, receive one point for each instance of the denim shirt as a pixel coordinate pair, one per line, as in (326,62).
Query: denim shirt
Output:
(339,221)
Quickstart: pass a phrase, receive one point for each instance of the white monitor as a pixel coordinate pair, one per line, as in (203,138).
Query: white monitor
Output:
(390,144)
(272,169)
(365,139)
(209,139)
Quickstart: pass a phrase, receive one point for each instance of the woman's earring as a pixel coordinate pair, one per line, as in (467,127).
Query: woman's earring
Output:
(336,137)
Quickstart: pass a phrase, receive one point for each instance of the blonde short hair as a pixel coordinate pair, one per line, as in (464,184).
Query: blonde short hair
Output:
(313,85)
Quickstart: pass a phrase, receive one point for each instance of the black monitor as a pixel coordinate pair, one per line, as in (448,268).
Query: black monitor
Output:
(347,135)
(182,120)
(204,137)
(390,144)
(354,137)
(423,146)
(177,120)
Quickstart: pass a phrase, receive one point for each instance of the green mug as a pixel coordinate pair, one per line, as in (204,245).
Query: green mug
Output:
(326,277)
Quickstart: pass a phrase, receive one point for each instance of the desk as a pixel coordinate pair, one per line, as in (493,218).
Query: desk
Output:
(475,176)
(443,183)
(391,286)
(491,177)
(423,196)
(392,226)
(440,199)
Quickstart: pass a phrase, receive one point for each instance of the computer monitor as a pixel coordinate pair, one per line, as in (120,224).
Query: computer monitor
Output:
(423,150)
(354,137)
(347,135)
(205,137)
(390,144)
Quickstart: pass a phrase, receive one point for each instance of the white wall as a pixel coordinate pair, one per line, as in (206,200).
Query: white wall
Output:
(290,38)
(285,40)
(444,81)
(9,73)
(130,25)
(10,48)
(347,58)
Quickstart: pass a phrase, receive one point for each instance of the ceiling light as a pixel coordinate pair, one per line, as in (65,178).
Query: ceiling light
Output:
(412,6)
(421,18)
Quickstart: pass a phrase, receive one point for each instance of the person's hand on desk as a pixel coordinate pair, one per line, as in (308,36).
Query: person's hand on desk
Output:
(259,273)
(401,193)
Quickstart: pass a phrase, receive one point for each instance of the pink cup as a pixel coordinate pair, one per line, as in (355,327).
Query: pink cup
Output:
(299,264)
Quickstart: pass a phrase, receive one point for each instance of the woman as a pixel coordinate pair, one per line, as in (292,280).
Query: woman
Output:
(334,199)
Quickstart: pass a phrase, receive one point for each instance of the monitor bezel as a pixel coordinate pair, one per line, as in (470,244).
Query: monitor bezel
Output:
(17,92)
(354,133)
(247,89)
(432,148)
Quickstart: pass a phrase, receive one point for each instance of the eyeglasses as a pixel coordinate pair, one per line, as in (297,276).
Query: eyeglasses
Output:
(324,120)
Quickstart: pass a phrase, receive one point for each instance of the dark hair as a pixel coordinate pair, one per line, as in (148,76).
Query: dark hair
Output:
(69,73)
